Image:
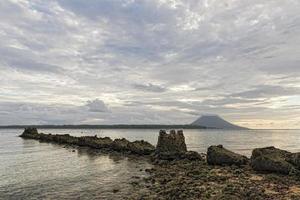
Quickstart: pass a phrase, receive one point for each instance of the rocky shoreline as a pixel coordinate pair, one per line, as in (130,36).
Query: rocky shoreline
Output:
(270,173)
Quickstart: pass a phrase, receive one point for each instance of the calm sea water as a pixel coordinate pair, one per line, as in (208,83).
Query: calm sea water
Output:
(33,170)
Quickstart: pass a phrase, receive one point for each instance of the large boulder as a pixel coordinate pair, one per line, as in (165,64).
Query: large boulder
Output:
(218,155)
(171,143)
(271,159)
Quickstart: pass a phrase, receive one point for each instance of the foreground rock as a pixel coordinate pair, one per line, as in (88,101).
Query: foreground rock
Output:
(218,155)
(119,145)
(185,179)
(271,159)
(172,146)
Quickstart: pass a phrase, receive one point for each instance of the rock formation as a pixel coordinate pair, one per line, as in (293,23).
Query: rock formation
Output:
(172,147)
(218,155)
(30,131)
(171,143)
(120,145)
(271,159)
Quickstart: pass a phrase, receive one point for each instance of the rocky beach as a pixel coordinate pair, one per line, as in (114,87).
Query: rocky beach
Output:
(270,173)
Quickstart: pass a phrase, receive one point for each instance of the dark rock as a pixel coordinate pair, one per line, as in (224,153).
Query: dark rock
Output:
(171,143)
(30,132)
(294,159)
(218,155)
(271,159)
(115,190)
(105,144)
(192,155)
(141,147)
(170,155)
(172,147)
(120,144)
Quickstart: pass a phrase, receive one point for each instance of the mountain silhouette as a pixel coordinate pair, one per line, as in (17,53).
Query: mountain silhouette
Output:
(214,121)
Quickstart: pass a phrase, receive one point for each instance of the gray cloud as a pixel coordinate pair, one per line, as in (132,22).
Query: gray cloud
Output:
(159,61)
(97,106)
(265,91)
(149,87)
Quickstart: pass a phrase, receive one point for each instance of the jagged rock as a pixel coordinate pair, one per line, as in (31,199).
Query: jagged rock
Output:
(171,143)
(218,155)
(271,159)
(172,147)
(30,131)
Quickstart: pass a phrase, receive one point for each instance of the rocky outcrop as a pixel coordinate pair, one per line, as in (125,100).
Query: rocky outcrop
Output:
(171,143)
(30,131)
(218,155)
(106,143)
(172,147)
(271,159)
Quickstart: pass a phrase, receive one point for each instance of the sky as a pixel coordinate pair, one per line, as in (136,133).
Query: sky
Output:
(150,61)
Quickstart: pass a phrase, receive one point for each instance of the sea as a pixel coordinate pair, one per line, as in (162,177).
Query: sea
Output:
(30,169)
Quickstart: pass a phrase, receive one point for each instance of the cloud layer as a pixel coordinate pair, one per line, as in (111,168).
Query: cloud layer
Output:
(158,61)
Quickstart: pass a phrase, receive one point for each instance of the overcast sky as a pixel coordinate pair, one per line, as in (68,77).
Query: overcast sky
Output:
(154,61)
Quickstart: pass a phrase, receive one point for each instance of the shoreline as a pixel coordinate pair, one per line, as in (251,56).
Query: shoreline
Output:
(184,176)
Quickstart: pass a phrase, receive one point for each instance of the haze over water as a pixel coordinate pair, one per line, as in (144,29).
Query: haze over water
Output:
(33,170)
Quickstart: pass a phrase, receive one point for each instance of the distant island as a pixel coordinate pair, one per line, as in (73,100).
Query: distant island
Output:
(204,122)
(117,126)
(216,122)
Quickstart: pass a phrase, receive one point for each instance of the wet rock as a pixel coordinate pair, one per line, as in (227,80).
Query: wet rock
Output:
(171,143)
(294,159)
(192,155)
(218,155)
(141,147)
(271,159)
(30,132)
(120,144)
(95,142)
(105,144)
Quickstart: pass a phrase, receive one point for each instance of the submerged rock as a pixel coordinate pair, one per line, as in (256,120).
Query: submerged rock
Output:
(271,159)
(218,155)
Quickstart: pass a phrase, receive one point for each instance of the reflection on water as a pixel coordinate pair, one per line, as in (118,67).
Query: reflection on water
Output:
(33,170)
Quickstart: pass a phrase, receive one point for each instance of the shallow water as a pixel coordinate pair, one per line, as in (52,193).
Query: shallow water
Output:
(33,170)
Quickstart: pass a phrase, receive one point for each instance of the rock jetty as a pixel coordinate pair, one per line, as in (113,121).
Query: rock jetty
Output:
(177,173)
(120,145)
